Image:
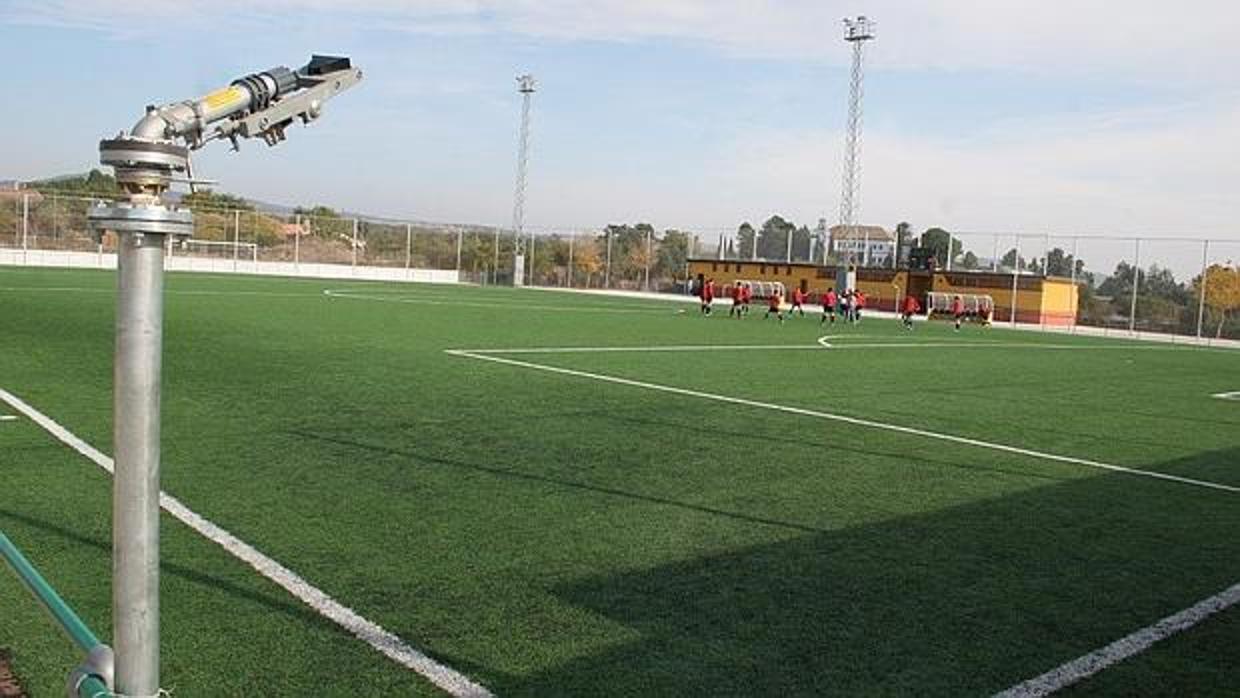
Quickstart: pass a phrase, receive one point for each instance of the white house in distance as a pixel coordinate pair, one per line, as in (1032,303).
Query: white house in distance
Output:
(869,245)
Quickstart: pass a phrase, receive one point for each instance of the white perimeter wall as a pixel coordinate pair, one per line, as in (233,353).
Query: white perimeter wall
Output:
(107,260)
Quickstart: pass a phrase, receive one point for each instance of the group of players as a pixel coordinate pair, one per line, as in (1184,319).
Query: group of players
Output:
(848,304)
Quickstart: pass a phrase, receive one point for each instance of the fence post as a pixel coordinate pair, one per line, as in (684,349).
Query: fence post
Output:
(1076,290)
(236,236)
(1201,302)
(569,275)
(532,281)
(408,248)
(25,224)
(1015,276)
(1136,279)
(460,241)
(649,234)
(495,269)
(353,263)
(607,271)
(994,255)
(297,246)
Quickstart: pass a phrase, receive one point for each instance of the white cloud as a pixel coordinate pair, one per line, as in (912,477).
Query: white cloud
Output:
(1137,40)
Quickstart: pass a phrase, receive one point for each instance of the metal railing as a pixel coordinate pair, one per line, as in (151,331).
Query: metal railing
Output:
(93,677)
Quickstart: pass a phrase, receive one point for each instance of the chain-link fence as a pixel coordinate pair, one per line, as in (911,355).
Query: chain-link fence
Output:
(1173,286)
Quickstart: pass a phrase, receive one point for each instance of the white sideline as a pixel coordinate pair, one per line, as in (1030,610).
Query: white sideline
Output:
(1234,395)
(819,345)
(371,633)
(1133,644)
(350,295)
(473,354)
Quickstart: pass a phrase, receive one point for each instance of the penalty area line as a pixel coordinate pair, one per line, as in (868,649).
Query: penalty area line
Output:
(857,421)
(382,640)
(1128,646)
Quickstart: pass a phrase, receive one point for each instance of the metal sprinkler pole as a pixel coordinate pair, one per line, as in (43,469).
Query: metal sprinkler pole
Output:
(146,161)
(135,500)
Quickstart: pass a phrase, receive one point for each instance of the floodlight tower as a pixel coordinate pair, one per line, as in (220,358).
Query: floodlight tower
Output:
(857,31)
(147,160)
(526,86)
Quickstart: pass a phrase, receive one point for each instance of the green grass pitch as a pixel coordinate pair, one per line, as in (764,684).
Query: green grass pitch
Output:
(553,534)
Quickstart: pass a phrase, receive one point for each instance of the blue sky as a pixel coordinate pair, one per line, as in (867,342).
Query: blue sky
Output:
(998,116)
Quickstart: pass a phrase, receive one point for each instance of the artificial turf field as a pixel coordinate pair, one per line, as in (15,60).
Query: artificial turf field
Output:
(550,532)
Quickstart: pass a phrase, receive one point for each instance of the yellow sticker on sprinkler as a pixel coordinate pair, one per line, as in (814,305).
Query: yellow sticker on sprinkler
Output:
(224,97)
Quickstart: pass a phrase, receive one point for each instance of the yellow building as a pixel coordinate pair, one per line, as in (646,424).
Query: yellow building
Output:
(1039,300)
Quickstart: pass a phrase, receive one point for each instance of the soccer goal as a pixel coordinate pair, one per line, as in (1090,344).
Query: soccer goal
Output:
(975,305)
(765,289)
(219,252)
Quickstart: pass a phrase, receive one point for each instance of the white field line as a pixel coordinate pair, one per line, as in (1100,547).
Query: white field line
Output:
(1235,395)
(498,304)
(845,419)
(8,418)
(168,291)
(1085,666)
(371,633)
(826,342)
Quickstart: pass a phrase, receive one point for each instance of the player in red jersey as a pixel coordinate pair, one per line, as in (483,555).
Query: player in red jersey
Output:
(747,295)
(911,308)
(858,305)
(738,299)
(958,310)
(828,306)
(708,296)
(798,297)
(775,304)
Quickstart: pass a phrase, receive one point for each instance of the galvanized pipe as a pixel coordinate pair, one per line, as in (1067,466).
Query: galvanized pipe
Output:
(135,498)
(90,679)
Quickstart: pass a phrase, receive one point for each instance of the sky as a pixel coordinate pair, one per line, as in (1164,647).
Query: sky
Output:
(1033,116)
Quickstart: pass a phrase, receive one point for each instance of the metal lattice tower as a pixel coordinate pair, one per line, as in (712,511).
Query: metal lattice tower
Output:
(525,85)
(856,32)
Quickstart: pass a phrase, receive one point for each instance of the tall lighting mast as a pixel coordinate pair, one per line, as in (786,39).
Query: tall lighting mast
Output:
(526,86)
(857,31)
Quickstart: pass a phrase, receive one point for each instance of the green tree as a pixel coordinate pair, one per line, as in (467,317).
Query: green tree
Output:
(773,238)
(939,241)
(746,238)
(1222,292)
(93,183)
(672,255)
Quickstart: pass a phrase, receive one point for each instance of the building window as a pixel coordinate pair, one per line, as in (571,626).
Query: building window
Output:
(714,266)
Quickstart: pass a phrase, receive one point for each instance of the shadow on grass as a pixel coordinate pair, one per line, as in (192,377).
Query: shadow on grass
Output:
(188,574)
(965,601)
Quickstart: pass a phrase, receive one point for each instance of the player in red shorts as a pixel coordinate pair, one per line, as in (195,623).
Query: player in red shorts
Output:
(775,305)
(798,297)
(828,306)
(738,299)
(911,308)
(708,296)
(958,311)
